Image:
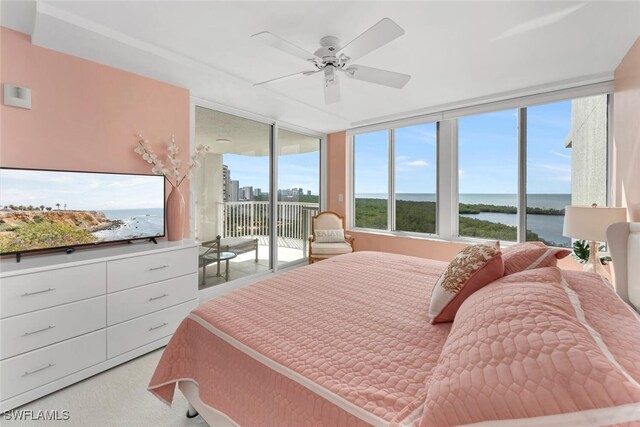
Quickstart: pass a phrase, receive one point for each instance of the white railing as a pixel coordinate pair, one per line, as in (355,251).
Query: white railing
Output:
(250,218)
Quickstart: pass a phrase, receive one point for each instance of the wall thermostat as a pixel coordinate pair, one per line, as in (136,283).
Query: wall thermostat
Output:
(17,96)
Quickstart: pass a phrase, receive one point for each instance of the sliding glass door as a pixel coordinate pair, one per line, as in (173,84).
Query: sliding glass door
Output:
(234,196)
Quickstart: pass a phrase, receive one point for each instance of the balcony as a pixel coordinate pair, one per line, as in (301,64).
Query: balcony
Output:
(250,219)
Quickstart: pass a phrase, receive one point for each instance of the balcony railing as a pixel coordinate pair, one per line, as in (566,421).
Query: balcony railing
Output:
(251,219)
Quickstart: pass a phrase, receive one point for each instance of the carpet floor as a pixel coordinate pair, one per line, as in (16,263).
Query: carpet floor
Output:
(115,398)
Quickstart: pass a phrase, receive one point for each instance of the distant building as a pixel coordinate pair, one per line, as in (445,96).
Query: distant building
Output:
(587,140)
(308,192)
(247,193)
(234,193)
(257,192)
(226,183)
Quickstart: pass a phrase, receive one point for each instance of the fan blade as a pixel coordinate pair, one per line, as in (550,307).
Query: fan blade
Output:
(331,90)
(377,76)
(380,34)
(300,73)
(284,45)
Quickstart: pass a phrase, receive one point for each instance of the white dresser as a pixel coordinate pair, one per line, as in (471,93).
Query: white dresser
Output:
(64,317)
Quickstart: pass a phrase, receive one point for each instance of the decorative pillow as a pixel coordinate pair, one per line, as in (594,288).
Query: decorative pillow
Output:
(525,256)
(329,236)
(474,267)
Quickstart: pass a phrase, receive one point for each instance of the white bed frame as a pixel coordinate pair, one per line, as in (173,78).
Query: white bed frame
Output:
(624,245)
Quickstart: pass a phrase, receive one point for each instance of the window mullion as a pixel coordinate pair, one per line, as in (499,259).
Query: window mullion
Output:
(391,199)
(522,175)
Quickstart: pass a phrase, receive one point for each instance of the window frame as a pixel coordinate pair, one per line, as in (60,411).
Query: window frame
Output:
(391,184)
(447,193)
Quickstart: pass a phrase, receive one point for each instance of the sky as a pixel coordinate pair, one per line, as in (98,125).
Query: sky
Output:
(488,154)
(80,191)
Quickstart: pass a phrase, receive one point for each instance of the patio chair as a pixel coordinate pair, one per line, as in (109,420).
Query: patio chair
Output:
(210,251)
(327,237)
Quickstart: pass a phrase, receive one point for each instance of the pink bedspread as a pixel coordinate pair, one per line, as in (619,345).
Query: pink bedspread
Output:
(345,341)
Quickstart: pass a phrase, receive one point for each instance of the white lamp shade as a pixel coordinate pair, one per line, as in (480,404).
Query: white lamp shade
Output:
(591,223)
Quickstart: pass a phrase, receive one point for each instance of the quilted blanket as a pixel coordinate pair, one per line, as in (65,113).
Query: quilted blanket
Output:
(342,342)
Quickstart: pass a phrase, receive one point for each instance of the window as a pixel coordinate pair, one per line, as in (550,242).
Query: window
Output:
(505,175)
(371,185)
(488,175)
(415,178)
(566,163)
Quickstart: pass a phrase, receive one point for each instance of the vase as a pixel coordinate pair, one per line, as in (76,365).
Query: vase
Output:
(175,215)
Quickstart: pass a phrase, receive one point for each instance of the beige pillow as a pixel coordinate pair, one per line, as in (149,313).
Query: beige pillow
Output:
(329,236)
(474,267)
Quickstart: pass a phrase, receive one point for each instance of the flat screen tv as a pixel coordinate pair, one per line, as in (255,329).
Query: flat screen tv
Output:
(52,209)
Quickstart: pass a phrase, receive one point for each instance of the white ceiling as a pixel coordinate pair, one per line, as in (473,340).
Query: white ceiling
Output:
(455,51)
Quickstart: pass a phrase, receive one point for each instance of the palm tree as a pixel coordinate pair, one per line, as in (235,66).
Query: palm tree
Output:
(48,208)
(58,206)
(42,208)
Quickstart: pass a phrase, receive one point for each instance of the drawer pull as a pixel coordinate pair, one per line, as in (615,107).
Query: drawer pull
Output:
(38,292)
(158,268)
(158,327)
(26,334)
(158,297)
(39,369)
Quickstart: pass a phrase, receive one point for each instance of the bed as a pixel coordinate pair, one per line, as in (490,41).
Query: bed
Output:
(347,342)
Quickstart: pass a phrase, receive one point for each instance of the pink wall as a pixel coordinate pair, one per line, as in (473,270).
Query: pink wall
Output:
(84,115)
(337,172)
(626,133)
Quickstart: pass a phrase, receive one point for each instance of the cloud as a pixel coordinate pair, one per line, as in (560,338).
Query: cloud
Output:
(557,153)
(460,172)
(556,167)
(408,165)
(415,164)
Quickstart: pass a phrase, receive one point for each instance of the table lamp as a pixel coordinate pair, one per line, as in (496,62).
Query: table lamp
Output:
(591,223)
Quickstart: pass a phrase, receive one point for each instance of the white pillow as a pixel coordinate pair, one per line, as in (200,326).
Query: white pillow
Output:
(329,236)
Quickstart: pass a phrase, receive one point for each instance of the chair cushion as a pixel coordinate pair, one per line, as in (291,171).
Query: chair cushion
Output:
(474,267)
(330,236)
(318,248)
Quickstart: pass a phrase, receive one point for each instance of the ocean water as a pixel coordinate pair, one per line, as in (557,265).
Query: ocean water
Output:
(136,223)
(548,227)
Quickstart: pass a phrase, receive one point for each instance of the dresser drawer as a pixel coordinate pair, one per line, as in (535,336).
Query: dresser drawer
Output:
(143,330)
(27,332)
(39,367)
(35,291)
(136,302)
(131,272)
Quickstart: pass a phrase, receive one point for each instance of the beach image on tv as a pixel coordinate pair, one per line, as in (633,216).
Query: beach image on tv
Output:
(52,209)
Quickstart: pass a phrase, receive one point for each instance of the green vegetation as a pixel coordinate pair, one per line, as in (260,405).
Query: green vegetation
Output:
(420,217)
(476,209)
(36,235)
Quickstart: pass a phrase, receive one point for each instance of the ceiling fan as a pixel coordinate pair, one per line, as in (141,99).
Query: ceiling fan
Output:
(330,58)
